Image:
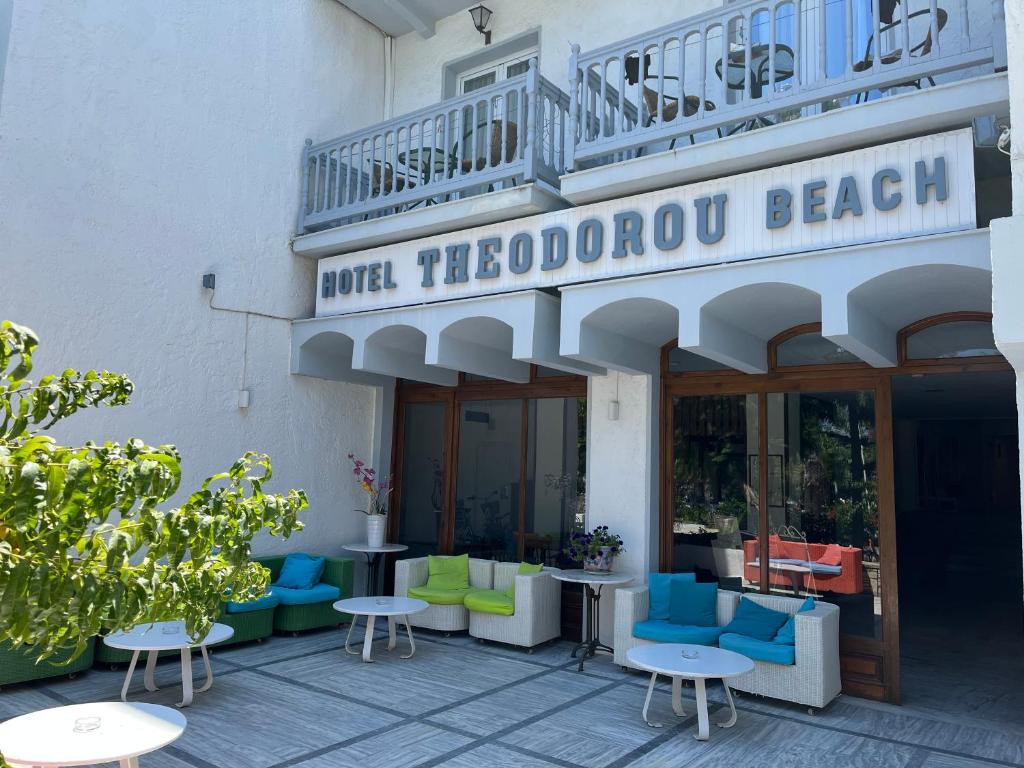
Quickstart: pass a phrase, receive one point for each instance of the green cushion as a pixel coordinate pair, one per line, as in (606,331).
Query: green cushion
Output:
(666,632)
(448,572)
(436,596)
(490,601)
(524,568)
(760,650)
(321,593)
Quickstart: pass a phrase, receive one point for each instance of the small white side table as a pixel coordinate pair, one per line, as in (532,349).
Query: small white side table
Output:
(708,664)
(592,583)
(374,556)
(120,733)
(371,608)
(167,636)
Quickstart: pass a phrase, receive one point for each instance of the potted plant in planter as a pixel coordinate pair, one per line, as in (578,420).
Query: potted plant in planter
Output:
(377,492)
(596,550)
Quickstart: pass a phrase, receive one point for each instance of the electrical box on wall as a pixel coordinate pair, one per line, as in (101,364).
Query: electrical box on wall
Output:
(243,398)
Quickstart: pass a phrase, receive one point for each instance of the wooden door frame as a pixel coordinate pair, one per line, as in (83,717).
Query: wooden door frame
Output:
(822,378)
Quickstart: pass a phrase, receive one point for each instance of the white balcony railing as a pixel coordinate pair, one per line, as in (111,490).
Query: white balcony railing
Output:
(509,133)
(783,58)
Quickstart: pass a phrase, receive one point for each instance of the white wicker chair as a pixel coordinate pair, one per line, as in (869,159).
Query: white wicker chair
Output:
(445,618)
(538,609)
(812,681)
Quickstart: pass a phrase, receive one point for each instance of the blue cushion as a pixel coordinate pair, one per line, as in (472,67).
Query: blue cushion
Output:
(776,653)
(692,604)
(832,570)
(300,571)
(321,593)
(667,632)
(658,586)
(267,601)
(756,621)
(787,633)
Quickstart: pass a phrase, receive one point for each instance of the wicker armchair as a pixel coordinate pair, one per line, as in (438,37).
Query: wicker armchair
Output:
(538,609)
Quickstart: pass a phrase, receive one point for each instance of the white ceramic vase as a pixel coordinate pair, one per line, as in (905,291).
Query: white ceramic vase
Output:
(375,525)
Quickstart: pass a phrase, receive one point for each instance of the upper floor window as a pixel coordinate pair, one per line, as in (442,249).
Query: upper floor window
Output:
(495,71)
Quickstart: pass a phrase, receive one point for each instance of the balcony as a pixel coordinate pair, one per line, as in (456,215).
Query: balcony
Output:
(782,61)
(501,137)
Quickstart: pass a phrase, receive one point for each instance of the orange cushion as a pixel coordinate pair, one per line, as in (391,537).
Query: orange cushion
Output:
(833,555)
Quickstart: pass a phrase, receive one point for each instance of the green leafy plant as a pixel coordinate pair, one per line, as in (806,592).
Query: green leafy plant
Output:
(84,544)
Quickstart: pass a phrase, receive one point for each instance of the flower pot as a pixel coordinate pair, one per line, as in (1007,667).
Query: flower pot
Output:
(599,563)
(375,530)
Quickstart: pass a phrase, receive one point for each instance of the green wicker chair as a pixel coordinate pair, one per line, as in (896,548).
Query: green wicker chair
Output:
(297,618)
(19,665)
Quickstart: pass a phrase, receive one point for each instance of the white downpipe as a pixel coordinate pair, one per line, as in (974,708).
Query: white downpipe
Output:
(389,76)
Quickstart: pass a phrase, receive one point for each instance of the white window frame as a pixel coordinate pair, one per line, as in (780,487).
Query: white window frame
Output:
(499,67)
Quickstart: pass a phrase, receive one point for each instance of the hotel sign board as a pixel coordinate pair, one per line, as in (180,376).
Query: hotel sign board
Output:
(904,189)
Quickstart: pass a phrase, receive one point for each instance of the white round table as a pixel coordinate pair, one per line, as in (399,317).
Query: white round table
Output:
(373,560)
(48,738)
(592,583)
(371,608)
(167,636)
(709,664)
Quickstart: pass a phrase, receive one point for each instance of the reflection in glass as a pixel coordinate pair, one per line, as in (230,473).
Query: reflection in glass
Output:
(965,338)
(422,491)
(812,349)
(823,504)
(555,476)
(487,485)
(715,444)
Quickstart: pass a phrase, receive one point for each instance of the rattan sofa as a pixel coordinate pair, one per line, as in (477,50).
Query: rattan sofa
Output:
(813,680)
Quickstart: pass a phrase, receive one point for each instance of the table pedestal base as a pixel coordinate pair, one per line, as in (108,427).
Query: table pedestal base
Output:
(703,719)
(591,643)
(186,674)
(368,637)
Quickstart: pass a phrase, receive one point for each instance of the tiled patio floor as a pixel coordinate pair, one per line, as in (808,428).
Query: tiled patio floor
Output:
(304,702)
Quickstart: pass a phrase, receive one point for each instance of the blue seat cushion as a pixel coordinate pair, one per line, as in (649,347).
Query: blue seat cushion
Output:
(693,604)
(268,600)
(300,571)
(658,589)
(754,620)
(831,570)
(787,632)
(759,650)
(667,632)
(321,593)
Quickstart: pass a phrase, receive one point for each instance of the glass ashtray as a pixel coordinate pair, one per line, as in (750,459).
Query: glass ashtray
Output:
(86,724)
(689,653)
(381,601)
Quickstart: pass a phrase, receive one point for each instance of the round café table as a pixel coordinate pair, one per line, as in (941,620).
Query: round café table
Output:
(371,608)
(701,663)
(374,556)
(87,734)
(167,636)
(592,583)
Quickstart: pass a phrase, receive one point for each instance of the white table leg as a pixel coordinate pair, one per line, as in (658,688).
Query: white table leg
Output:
(702,710)
(392,639)
(368,639)
(130,762)
(209,670)
(731,720)
(677,697)
(128,677)
(147,678)
(412,643)
(186,677)
(647,701)
(348,637)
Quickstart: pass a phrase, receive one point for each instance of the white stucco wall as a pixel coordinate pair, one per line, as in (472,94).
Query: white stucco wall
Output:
(622,474)
(146,143)
(591,23)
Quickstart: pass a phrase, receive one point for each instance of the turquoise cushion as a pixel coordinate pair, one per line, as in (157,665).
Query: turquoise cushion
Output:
(692,604)
(667,632)
(267,601)
(300,571)
(756,621)
(658,586)
(787,633)
(321,593)
(776,653)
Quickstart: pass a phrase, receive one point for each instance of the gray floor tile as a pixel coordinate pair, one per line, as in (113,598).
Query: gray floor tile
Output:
(402,747)
(495,756)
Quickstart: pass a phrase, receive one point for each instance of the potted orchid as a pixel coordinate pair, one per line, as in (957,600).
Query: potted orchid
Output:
(377,492)
(596,550)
